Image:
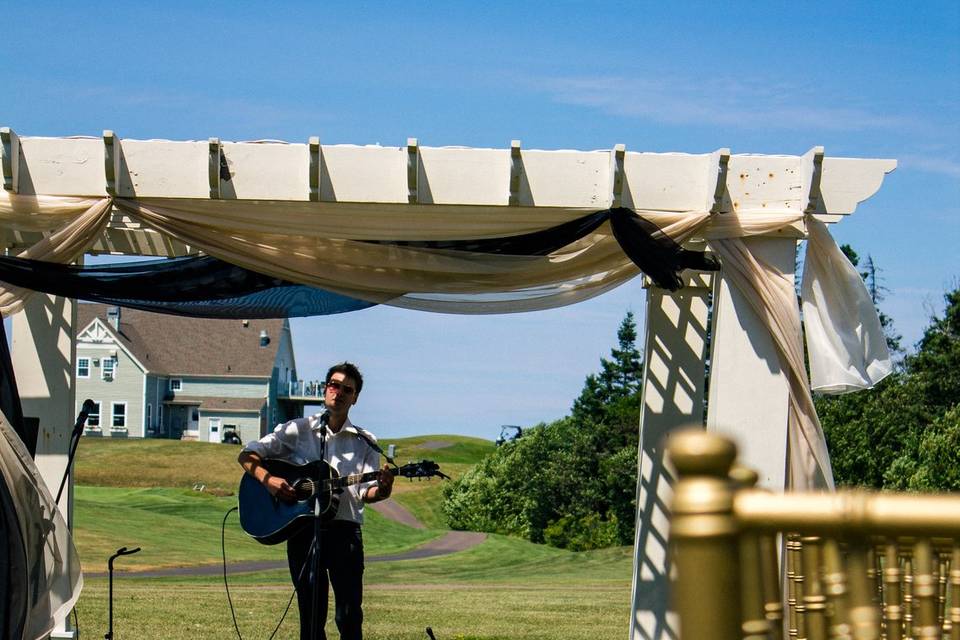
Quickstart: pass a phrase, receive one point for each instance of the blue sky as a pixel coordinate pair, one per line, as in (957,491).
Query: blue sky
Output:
(863,79)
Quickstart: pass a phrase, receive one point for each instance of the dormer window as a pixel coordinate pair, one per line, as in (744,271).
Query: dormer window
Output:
(176,384)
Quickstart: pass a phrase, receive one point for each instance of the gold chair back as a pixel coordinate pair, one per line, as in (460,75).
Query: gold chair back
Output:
(857,565)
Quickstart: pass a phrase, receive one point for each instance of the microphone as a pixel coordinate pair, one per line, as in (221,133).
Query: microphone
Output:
(85,411)
(324,421)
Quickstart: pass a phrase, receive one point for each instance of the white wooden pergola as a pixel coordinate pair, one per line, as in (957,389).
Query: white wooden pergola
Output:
(748,393)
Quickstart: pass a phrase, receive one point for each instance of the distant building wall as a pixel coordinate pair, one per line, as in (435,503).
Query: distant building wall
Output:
(219,387)
(116,382)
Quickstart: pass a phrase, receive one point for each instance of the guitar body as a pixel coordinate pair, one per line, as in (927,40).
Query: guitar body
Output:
(270,520)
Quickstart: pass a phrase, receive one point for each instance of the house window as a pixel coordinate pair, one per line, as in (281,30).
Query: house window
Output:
(150,417)
(109,370)
(176,384)
(119,413)
(93,418)
(83,367)
(160,417)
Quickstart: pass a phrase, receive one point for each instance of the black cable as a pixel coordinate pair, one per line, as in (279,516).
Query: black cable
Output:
(76,621)
(223,551)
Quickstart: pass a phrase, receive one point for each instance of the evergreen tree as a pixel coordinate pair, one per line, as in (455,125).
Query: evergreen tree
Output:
(610,400)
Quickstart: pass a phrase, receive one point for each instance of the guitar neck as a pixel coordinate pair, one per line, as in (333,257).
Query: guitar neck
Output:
(357,478)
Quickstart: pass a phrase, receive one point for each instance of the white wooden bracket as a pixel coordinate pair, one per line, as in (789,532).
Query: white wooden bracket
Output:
(315,164)
(811,172)
(111,160)
(213,167)
(413,169)
(516,167)
(10,159)
(617,157)
(718,203)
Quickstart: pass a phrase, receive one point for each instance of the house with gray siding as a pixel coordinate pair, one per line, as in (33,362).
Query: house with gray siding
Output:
(164,376)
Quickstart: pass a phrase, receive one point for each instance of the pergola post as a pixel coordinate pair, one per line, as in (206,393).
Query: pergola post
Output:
(749,394)
(673,392)
(44,356)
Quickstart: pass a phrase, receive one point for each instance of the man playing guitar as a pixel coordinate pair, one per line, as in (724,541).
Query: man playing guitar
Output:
(348,450)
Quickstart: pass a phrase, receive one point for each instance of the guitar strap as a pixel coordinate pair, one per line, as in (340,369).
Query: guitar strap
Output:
(367,437)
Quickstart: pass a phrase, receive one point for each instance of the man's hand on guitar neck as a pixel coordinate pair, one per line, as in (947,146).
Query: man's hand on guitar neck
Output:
(383,488)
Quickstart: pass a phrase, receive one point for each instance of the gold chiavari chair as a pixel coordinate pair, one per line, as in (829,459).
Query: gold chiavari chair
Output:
(857,565)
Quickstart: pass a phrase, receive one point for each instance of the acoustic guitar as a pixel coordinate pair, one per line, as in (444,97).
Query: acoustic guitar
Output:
(270,520)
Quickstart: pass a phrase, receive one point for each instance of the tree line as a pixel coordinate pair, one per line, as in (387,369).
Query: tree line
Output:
(905,433)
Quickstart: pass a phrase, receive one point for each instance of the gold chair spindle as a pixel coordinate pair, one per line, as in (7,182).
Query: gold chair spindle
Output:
(943,575)
(814,600)
(907,572)
(704,537)
(755,625)
(955,592)
(795,587)
(892,609)
(772,597)
(863,613)
(835,587)
(925,587)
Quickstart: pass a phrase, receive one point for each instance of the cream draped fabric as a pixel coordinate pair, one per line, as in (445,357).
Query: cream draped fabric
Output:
(49,577)
(329,247)
(852,350)
(771,295)
(78,221)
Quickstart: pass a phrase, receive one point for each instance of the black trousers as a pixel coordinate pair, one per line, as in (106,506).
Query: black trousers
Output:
(341,566)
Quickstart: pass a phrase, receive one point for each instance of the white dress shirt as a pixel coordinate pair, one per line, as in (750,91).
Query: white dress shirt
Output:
(298,441)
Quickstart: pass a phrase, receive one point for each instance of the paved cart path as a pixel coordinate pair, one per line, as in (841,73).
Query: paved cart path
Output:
(452,542)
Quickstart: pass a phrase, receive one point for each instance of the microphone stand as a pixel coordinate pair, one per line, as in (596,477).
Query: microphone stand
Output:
(316,568)
(122,551)
(74,442)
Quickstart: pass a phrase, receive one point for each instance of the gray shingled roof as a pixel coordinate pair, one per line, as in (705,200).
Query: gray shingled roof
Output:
(230,405)
(174,345)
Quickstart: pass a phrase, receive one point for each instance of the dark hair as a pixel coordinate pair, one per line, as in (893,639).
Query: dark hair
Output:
(349,370)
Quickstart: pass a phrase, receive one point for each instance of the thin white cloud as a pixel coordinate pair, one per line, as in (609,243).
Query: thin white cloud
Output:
(931,164)
(722,101)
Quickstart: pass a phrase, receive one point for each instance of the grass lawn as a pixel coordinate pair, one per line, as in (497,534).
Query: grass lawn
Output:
(178,527)
(504,588)
(140,493)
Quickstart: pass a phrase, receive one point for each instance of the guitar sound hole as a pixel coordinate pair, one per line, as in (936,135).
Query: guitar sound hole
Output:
(303,489)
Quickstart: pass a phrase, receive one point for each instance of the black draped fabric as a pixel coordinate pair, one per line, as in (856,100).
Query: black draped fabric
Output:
(13,609)
(13,573)
(196,286)
(538,243)
(9,396)
(656,254)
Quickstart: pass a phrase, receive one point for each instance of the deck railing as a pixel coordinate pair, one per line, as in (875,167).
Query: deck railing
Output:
(301,389)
